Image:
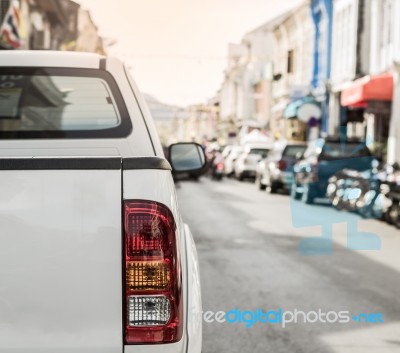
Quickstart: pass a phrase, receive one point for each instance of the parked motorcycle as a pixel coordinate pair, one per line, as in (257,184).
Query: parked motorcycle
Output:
(354,191)
(217,166)
(391,196)
(369,203)
(371,193)
(347,189)
(217,171)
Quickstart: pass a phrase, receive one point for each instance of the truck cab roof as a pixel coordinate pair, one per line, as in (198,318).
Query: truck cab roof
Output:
(44,58)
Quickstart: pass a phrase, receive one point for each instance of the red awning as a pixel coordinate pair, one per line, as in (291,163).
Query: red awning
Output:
(369,88)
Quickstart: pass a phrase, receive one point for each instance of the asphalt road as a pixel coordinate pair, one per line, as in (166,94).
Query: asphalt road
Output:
(249,259)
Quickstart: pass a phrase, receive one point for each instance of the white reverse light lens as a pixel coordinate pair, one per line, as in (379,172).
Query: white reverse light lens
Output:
(154,310)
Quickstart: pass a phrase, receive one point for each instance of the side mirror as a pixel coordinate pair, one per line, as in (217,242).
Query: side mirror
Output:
(186,157)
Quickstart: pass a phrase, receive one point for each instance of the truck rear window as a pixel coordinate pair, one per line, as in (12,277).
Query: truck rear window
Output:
(259,151)
(337,150)
(293,151)
(61,103)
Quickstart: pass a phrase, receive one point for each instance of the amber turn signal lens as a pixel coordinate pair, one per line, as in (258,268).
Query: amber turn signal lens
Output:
(147,275)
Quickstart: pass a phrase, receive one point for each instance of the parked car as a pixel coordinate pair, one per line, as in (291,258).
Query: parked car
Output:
(230,160)
(322,159)
(246,163)
(94,253)
(276,171)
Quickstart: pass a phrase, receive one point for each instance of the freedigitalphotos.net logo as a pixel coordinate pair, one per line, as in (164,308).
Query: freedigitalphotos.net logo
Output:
(284,318)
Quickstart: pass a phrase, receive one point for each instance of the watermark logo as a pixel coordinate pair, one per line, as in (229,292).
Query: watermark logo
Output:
(286,318)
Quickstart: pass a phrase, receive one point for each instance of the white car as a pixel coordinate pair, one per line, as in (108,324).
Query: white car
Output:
(94,255)
(246,163)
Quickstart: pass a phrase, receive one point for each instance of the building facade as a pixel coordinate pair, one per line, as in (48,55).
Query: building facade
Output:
(385,60)
(245,96)
(88,39)
(371,103)
(47,25)
(350,60)
(293,40)
(322,15)
(231,93)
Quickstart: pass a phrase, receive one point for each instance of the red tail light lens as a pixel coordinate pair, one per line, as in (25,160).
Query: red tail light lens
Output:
(152,274)
(220,166)
(281,165)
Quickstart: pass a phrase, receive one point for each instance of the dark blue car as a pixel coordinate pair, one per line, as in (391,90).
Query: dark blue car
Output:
(322,159)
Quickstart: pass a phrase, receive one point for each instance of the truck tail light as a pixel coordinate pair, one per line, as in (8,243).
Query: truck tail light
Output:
(153,302)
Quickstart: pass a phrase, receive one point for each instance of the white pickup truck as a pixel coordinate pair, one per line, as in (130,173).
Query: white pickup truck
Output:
(94,256)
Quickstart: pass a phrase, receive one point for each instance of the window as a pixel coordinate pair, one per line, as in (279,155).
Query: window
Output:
(259,151)
(386,34)
(332,150)
(293,151)
(290,62)
(387,20)
(322,47)
(4,5)
(37,39)
(60,103)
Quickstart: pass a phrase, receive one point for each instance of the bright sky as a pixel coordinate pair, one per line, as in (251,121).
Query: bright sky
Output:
(177,48)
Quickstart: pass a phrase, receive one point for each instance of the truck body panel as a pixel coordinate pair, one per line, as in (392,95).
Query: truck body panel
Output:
(61,220)
(60,261)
